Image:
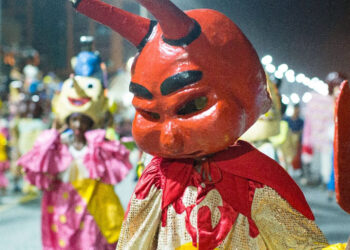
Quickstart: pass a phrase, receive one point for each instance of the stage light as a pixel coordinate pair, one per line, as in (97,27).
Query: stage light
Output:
(266,60)
(283,71)
(285,100)
(270,68)
(283,68)
(307,81)
(290,78)
(300,78)
(307,97)
(278,74)
(295,98)
(290,73)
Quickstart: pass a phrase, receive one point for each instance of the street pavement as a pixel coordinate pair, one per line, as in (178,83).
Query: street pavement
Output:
(20,218)
(333,221)
(20,221)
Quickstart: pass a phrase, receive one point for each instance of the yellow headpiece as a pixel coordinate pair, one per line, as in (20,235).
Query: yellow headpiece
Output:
(81,94)
(268,124)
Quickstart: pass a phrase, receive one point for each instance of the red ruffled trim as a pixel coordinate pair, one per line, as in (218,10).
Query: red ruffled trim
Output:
(150,176)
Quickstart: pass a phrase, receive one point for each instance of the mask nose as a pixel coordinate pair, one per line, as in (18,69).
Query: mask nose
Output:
(80,91)
(170,139)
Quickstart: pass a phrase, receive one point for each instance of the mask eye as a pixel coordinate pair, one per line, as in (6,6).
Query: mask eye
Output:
(90,85)
(149,115)
(193,106)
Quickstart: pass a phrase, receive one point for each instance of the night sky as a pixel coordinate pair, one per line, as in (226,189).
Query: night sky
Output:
(312,37)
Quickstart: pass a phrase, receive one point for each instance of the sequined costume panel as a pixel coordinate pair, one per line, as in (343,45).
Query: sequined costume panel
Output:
(237,203)
(142,228)
(175,236)
(141,225)
(281,226)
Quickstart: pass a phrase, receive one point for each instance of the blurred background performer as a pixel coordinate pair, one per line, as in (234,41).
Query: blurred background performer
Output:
(317,139)
(77,169)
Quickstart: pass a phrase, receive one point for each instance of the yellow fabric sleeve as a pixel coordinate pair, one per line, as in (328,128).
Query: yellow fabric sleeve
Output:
(3,144)
(339,246)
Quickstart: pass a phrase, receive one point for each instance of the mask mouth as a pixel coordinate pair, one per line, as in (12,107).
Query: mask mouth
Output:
(190,155)
(195,153)
(78,101)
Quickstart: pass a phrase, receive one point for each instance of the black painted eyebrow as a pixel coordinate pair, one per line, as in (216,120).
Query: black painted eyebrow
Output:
(147,36)
(180,81)
(140,91)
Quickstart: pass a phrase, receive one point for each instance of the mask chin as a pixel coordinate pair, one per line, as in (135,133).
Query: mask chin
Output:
(191,135)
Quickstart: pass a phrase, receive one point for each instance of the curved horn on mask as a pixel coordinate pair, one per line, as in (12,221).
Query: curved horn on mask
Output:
(132,27)
(174,22)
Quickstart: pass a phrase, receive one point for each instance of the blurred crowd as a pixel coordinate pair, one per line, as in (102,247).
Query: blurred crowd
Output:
(301,140)
(26,96)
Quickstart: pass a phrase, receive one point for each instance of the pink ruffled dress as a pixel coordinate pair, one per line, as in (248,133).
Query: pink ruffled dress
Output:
(4,165)
(80,209)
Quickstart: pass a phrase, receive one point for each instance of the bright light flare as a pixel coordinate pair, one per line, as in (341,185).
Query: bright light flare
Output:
(290,73)
(300,78)
(283,71)
(290,78)
(270,68)
(283,68)
(266,60)
(295,98)
(285,99)
(278,74)
(307,97)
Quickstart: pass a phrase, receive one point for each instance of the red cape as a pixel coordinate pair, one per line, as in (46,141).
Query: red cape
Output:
(236,173)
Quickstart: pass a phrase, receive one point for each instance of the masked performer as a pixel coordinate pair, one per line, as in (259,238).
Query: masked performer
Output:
(80,209)
(198,85)
(317,139)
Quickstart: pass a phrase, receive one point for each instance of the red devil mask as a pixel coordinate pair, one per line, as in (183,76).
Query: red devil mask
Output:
(197,81)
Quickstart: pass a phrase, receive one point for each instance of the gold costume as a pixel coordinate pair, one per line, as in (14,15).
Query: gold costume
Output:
(280,225)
